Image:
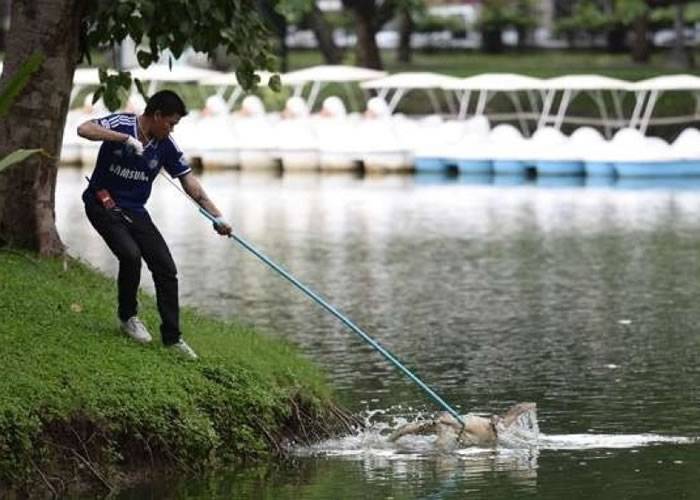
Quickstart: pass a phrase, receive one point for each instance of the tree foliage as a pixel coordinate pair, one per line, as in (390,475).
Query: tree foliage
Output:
(626,11)
(294,10)
(160,25)
(595,17)
(499,14)
(587,16)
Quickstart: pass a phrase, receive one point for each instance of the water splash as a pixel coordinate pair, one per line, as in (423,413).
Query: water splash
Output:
(523,436)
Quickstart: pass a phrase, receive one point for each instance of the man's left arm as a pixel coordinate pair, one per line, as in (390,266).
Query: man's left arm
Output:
(194,189)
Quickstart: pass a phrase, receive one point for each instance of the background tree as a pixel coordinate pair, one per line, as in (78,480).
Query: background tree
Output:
(635,15)
(680,55)
(493,18)
(307,13)
(365,13)
(62,30)
(406,26)
(323,32)
(4,21)
(369,17)
(406,12)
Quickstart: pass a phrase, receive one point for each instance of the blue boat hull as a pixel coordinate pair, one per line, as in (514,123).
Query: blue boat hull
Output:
(474,166)
(559,167)
(600,169)
(430,164)
(509,167)
(686,168)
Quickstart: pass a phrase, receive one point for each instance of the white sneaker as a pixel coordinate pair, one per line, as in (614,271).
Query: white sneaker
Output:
(183,349)
(135,329)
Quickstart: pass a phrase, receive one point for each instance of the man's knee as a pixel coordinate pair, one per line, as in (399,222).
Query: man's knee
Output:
(130,258)
(165,270)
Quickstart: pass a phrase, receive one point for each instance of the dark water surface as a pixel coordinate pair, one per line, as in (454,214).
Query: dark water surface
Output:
(581,298)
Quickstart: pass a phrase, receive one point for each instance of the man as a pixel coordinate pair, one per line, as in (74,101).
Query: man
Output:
(520,420)
(133,151)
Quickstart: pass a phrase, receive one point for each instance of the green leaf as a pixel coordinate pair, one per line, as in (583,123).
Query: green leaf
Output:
(139,87)
(124,79)
(111,95)
(17,157)
(148,9)
(275,83)
(19,80)
(136,28)
(144,58)
(98,93)
(124,11)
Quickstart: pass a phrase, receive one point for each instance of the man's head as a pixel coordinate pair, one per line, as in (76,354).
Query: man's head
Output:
(164,110)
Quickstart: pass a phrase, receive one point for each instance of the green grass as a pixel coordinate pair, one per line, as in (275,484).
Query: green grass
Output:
(539,63)
(76,390)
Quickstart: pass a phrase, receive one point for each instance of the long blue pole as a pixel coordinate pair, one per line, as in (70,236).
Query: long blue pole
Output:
(320,301)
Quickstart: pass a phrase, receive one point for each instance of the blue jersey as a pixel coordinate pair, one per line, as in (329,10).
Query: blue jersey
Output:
(127,176)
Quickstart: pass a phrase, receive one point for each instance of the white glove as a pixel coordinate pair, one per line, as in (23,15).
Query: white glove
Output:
(134,145)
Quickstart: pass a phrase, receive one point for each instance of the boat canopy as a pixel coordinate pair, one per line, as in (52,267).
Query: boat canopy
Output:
(178,73)
(224,81)
(668,82)
(594,85)
(488,85)
(648,92)
(585,82)
(410,81)
(86,76)
(330,73)
(496,82)
(318,76)
(401,83)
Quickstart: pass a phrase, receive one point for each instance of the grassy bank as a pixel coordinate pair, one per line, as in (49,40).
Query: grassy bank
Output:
(82,405)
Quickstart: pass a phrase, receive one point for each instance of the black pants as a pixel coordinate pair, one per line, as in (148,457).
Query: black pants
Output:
(131,241)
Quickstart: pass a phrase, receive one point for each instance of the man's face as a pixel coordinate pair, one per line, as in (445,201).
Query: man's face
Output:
(163,125)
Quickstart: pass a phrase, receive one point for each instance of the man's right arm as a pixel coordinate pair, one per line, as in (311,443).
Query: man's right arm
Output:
(94,132)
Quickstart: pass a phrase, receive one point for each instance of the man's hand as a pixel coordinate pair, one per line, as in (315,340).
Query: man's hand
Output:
(133,145)
(222,227)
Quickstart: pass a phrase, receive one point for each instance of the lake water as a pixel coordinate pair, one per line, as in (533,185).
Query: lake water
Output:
(579,296)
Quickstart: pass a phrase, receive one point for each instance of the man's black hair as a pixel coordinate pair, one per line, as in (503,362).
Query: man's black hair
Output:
(167,102)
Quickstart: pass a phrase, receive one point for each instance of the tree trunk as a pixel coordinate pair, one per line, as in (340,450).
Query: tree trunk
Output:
(491,40)
(366,50)
(36,119)
(324,36)
(680,55)
(405,31)
(615,39)
(4,22)
(641,51)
